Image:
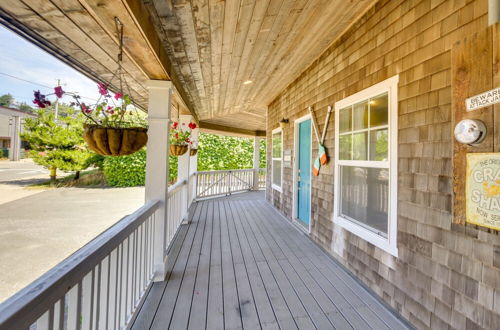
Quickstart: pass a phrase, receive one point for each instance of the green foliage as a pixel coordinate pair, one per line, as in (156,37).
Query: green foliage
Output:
(6,100)
(24,106)
(126,171)
(216,152)
(130,171)
(59,144)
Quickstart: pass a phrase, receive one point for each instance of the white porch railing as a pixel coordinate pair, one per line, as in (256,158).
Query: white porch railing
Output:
(102,285)
(226,182)
(179,199)
(99,286)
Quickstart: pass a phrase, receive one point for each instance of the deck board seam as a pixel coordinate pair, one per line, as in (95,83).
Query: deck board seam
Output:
(246,269)
(298,276)
(346,278)
(342,279)
(246,215)
(293,251)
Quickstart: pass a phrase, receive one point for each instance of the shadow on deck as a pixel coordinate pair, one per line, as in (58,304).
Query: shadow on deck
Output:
(240,264)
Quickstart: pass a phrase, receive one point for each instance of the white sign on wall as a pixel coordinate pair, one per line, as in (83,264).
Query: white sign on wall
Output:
(483,100)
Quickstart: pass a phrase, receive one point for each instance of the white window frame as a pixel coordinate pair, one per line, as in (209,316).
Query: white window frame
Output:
(389,243)
(274,186)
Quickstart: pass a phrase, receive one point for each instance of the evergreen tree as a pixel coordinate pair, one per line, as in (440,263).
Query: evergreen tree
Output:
(6,100)
(57,145)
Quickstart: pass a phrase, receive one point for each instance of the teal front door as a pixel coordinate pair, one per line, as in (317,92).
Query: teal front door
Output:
(304,172)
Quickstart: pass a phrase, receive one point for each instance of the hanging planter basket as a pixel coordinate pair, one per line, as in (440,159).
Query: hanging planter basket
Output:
(115,141)
(178,149)
(193,152)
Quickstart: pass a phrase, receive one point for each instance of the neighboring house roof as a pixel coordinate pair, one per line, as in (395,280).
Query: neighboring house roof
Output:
(16,112)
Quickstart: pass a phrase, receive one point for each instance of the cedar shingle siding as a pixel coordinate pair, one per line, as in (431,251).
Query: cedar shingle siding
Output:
(447,275)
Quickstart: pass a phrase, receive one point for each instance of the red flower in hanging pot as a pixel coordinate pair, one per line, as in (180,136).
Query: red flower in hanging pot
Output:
(192,125)
(175,124)
(58,91)
(118,95)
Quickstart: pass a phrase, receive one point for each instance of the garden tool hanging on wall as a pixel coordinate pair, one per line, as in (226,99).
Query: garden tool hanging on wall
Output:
(322,157)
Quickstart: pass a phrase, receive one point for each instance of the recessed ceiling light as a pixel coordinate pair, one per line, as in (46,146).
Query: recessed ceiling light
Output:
(247,82)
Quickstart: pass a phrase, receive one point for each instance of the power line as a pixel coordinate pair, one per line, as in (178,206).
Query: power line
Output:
(28,81)
(38,84)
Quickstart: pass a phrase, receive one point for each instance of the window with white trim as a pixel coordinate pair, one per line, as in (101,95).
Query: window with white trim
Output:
(366,164)
(277,158)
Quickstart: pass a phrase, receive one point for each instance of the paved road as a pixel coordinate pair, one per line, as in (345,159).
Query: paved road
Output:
(25,169)
(39,228)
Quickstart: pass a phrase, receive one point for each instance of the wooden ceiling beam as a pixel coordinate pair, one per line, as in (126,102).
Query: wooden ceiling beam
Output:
(226,130)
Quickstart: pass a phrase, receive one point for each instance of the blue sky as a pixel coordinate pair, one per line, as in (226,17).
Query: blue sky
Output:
(21,59)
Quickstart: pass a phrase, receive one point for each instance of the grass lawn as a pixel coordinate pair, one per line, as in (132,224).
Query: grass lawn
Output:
(89,178)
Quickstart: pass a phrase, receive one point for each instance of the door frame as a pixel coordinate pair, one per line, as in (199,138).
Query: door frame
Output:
(295,169)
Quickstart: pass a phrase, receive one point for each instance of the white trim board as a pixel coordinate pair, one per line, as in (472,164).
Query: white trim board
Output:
(274,186)
(388,244)
(295,168)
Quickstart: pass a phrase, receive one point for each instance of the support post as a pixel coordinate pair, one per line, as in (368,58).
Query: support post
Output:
(15,139)
(183,164)
(160,94)
(256,162)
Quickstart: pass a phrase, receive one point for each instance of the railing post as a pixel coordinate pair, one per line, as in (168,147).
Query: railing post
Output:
(229,174)
(256,162)
(160,93)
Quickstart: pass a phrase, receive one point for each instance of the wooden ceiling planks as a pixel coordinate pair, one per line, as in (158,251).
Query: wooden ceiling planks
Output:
(209,48)
(83,34)
(218,45)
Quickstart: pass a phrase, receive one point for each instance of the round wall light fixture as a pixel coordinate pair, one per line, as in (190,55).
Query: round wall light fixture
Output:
(470,131)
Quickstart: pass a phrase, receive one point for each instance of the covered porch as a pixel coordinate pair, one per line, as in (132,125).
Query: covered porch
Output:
(239,264)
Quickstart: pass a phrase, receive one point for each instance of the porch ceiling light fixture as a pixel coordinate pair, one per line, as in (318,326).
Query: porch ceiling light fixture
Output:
(284,122)
(247,82)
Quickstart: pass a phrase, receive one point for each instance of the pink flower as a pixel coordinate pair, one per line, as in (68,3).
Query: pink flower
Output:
(103,89)
(40,100)
(58,91)
(85,108)
(118,95)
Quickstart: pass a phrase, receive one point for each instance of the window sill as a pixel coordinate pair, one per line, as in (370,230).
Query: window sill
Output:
(388,245)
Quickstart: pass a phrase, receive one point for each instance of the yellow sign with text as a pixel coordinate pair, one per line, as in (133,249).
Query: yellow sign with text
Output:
(482,191)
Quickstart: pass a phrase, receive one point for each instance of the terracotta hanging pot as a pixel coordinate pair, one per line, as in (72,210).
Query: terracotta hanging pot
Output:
(178,149)
(193,152)
(115,141)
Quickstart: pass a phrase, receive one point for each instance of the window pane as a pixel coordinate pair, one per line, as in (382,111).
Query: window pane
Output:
(365,196)
(360,116)
(277,145)
(378,110)
(277,172)
(379,145)
(345,120)
(345,147)
(359,146)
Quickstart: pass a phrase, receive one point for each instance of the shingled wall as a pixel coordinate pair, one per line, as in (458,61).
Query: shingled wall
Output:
(447,275)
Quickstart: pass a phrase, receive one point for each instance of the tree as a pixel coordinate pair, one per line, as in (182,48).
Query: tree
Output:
(24,106)
(6,100)
(57,145)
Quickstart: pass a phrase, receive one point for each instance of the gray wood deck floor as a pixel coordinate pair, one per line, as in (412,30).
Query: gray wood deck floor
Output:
(240,264)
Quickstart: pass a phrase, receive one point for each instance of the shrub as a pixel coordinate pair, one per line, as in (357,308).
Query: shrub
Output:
(126,171)
(130,171)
